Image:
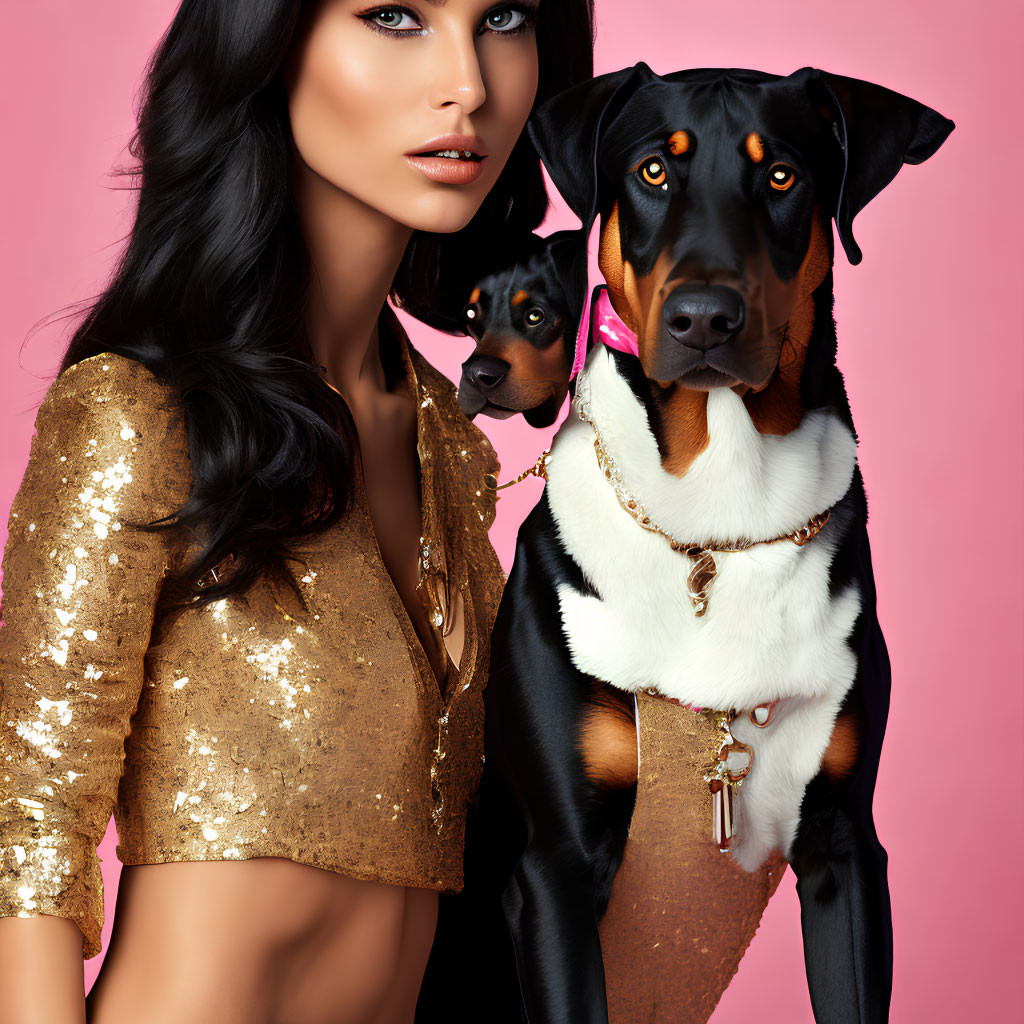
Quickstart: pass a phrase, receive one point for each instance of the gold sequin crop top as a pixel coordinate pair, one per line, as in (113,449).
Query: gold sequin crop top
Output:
(307,727)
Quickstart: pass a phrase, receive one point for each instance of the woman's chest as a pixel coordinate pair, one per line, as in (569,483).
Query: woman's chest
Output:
(324,666)
(296,661)
(396,517)
(289,717)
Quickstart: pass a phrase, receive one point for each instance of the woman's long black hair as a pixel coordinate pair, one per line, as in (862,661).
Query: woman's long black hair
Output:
(209,293)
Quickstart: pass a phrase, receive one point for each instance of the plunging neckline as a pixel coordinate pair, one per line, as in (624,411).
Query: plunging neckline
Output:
(445,685)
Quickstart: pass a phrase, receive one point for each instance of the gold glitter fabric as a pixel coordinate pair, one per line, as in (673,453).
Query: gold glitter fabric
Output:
(681,913)
(308,726)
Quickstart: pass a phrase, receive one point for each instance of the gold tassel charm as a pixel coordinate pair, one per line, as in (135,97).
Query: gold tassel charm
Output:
(722,827)
(700,578)
(725,776)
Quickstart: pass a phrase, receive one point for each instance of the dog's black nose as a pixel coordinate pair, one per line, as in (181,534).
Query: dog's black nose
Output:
(485,372)
(703,315)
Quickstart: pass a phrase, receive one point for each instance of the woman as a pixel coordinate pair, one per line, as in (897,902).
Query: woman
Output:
(249,556)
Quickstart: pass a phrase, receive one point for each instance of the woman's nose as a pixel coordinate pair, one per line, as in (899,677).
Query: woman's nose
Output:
(459,78)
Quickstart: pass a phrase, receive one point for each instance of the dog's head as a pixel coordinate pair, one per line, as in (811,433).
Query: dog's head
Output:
(716,189)
(524,318)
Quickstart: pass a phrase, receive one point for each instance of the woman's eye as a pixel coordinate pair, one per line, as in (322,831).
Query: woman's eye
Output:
(781,177)
(652,170)
(506,19)
(391,20)
(534,316)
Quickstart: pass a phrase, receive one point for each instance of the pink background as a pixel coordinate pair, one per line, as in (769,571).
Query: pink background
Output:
(930,344)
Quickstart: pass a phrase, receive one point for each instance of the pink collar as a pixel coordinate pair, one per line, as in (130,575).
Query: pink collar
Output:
(608,328)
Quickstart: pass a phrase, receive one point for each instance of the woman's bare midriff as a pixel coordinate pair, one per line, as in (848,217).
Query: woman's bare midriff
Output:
(262,941)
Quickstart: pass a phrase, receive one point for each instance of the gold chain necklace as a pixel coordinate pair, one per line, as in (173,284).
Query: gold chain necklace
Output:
(703,570)
(539,468)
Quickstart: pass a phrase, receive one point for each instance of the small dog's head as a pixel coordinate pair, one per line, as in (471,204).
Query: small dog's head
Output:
(524,318)
(716,189)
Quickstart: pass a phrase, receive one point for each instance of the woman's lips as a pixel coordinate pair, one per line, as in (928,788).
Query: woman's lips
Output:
(447,170)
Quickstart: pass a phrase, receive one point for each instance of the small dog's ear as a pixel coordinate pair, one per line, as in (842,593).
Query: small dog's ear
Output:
(567,263)
(567,128)
(879,131)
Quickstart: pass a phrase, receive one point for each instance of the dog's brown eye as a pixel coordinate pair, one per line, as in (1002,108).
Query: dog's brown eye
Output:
(781,177)
(534,316)
(652,170)
(470,312)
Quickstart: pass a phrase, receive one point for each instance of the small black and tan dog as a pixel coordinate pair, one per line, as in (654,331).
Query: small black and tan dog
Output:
(701,542)
(524,317)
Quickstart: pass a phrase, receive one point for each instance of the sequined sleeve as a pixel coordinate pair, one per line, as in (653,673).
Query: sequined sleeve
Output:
(79,590)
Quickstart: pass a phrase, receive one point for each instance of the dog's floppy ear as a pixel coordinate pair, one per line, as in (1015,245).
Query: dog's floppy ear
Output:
(567,128)
(879,131)
(567,263)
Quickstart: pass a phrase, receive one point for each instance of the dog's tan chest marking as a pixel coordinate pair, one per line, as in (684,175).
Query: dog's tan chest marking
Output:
(680,425)
(608,741)
(843,749)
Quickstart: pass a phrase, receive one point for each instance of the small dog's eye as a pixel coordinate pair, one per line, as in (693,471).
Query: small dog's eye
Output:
(781,177)
(652,170)
(534,316)
(470,312)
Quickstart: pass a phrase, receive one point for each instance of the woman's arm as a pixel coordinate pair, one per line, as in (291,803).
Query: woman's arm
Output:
(80,587)
(41,971)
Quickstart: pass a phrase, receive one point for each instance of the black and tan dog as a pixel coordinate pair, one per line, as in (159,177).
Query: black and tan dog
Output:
(691,611)
(524,318)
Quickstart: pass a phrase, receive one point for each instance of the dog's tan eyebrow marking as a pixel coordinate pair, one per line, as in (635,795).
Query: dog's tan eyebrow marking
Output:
(755,147)
(678,143)
(475,295)
(520,296)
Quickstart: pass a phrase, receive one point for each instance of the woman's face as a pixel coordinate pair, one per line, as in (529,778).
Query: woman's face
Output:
(372,85)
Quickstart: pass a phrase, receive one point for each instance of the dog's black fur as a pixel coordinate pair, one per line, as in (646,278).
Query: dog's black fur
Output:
(546,838)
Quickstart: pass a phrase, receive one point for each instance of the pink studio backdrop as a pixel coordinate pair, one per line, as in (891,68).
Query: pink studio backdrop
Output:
(930,345)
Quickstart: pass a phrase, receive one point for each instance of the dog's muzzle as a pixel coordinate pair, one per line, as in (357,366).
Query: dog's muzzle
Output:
(482,376)
(698,322)
(702,316)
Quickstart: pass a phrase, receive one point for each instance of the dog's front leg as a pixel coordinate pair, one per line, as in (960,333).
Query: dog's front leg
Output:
(839,862)
(553,920)
(558,885)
